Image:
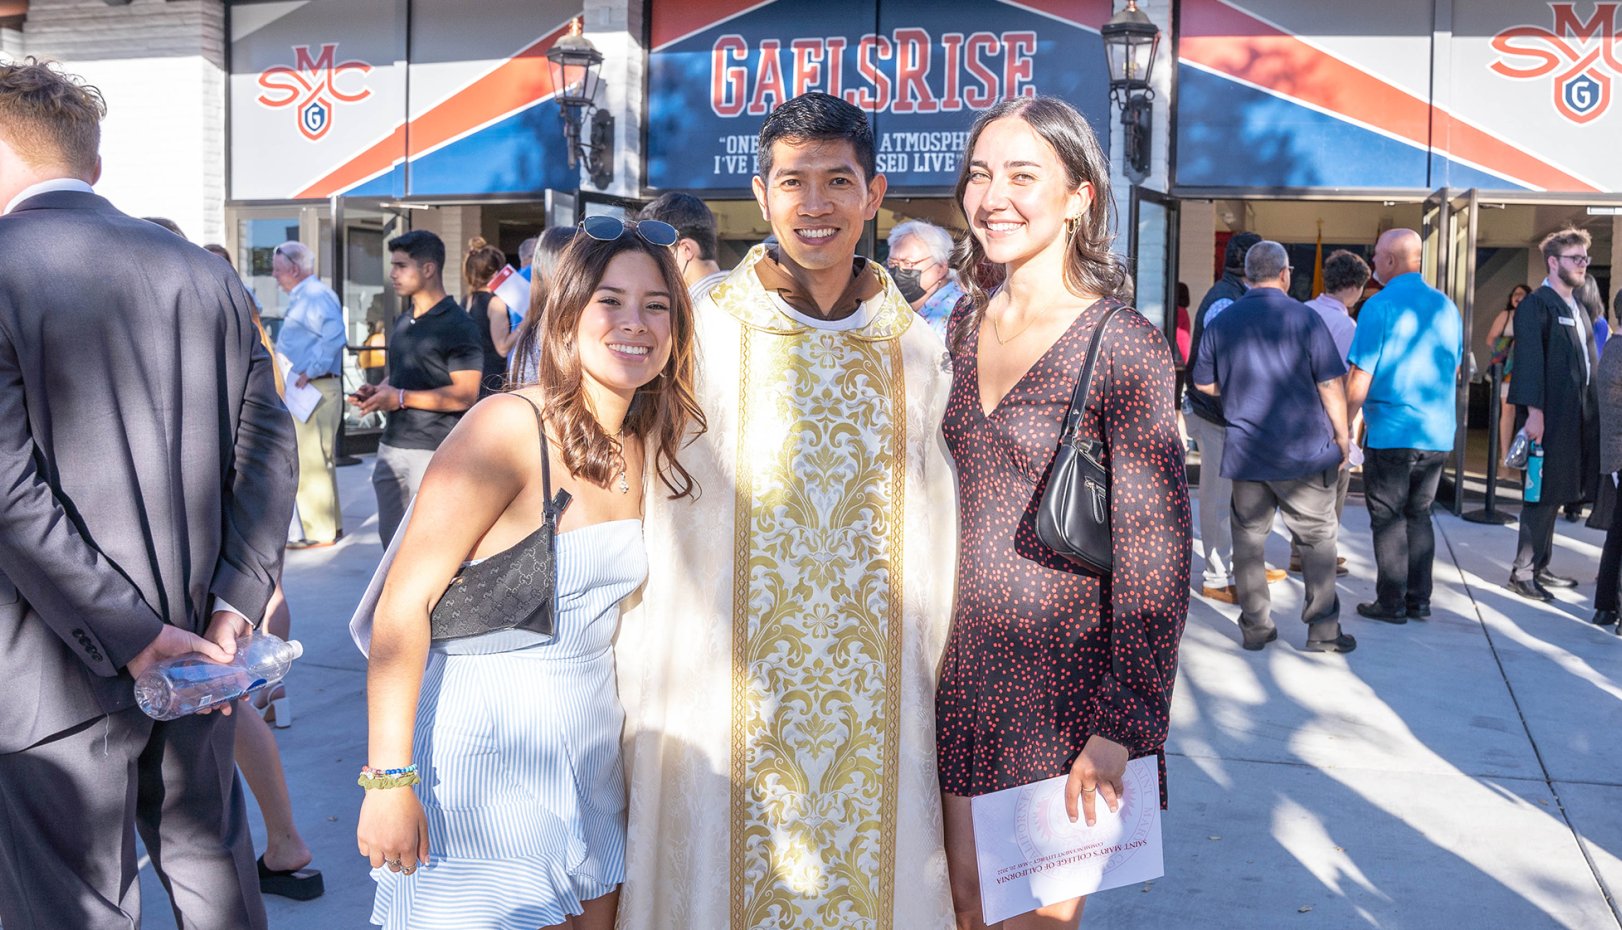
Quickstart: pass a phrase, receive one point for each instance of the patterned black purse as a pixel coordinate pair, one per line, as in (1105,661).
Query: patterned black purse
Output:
(515,588)
(1072,519)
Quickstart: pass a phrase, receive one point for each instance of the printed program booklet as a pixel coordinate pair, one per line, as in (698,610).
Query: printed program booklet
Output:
(1031,855)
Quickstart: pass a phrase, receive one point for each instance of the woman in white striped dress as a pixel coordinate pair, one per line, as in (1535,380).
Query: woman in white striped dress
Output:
(518,821)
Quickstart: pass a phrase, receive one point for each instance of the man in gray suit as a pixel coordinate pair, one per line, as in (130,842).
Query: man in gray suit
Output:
(147,470)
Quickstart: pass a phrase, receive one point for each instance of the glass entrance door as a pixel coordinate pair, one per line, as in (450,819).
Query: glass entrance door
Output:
(1451,222)
(360,274)
(1153,260)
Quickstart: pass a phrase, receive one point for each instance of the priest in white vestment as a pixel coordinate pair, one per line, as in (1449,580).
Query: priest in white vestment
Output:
(779,672)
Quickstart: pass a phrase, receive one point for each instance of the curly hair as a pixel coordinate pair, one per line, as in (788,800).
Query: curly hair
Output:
(51,118)
(547,355)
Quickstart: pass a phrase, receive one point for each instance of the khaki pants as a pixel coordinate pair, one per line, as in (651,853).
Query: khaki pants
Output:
(317,474)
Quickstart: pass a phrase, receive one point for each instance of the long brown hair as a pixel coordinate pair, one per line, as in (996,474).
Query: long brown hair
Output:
(547,355)
(1090,267)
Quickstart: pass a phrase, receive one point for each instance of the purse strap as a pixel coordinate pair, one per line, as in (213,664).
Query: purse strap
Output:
(554,507)
(1078,400)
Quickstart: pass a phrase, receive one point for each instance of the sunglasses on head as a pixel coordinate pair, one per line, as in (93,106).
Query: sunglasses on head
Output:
(609,228)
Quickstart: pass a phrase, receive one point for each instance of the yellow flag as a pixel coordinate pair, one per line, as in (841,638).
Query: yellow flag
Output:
(1318,263)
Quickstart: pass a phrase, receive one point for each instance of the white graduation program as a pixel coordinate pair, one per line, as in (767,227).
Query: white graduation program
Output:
(1031,855)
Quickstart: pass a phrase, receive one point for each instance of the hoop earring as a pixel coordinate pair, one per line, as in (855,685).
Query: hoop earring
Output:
(1071,224)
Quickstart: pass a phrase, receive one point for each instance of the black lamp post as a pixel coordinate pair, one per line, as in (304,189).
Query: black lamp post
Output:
(1130,41)
(576,64)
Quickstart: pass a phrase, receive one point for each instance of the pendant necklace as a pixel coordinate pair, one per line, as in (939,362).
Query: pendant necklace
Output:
(619,458)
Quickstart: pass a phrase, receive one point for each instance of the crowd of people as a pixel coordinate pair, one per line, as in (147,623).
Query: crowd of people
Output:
(707,594)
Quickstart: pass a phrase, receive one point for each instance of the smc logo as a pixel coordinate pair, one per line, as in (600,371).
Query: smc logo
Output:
(1582,56)
(311,86)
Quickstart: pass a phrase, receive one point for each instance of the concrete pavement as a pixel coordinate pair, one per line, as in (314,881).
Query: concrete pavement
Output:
(1455,772)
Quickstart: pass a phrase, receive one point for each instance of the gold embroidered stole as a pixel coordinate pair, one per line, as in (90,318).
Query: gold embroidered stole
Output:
(817,616)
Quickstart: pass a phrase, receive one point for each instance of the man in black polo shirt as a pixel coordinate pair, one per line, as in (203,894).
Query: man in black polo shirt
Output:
(435,363)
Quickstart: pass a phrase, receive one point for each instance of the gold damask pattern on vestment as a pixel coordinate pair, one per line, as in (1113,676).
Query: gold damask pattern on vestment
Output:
(817,629)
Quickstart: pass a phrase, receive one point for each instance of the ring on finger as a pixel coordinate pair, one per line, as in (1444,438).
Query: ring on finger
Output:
(1088,789)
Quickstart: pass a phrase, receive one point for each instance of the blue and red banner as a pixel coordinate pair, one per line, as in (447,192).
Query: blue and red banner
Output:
(1513,96)
(920,68)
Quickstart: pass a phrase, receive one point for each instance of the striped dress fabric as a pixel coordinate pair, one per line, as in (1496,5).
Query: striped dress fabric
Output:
(518,746)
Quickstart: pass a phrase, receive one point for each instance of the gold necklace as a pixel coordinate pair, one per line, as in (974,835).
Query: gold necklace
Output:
(997,331)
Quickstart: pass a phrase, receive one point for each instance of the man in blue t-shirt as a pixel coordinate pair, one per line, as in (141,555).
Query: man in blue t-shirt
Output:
(1405,362)
(1275,366)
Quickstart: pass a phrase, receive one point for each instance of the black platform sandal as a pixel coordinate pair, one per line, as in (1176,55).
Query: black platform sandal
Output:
(299,884)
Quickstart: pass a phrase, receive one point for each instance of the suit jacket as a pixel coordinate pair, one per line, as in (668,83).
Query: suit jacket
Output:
(1549,375)
(146,462)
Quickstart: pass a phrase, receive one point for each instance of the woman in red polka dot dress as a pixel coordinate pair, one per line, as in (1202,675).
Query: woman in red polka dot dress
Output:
(1051,669)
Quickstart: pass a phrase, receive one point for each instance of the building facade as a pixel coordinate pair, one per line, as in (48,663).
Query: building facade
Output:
(341,122)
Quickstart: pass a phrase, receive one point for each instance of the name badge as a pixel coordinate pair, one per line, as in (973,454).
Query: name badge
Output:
(1568,321)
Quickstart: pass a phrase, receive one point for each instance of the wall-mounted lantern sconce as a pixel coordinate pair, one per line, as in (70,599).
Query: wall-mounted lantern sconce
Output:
(576,66)
(1130,42)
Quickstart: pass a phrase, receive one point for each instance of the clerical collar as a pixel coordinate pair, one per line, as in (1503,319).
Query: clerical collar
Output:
(864,285)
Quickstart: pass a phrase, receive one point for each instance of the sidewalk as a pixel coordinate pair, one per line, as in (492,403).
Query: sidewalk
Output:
(1457,772)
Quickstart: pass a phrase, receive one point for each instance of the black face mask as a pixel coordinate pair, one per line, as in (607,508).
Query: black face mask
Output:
(908,283)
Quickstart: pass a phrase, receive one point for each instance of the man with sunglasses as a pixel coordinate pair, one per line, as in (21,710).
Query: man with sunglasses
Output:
(1555,390)
(794,614)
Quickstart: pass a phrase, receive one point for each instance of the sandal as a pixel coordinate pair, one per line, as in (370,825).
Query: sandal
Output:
(299,884)
(274,705)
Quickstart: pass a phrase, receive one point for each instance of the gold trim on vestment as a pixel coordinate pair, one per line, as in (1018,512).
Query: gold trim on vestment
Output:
(894,653)
(817,629)
(742,519)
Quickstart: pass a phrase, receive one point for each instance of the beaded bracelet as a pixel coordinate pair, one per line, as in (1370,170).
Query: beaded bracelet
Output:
(371,778)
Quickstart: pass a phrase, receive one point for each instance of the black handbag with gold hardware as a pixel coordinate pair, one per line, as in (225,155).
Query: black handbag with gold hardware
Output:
(1072,519)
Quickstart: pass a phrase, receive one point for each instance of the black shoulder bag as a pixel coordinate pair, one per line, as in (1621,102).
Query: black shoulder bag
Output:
(1072,518)
(515,588)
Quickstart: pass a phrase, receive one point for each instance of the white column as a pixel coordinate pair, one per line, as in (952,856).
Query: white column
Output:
(160,65)
(1159,12)
(615,28)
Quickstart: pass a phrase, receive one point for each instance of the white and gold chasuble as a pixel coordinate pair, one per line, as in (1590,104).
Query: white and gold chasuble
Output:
(778,673)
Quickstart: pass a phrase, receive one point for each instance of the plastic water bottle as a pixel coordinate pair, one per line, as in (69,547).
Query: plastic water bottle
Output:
(187,684)
(1534,474)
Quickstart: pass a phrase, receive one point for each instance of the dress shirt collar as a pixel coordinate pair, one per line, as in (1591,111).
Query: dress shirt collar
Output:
(46,187)
(1328,302)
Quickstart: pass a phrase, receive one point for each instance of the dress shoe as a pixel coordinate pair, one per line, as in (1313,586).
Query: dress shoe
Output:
(1530,590)
(315,543)
(1374,610)
(1340,567)
(1550,580)
(1419,611)
(1603,618)
(1341,642)
(1258,643)
(1227,595)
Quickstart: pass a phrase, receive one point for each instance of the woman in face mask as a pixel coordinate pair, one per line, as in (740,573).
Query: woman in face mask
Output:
(920,257)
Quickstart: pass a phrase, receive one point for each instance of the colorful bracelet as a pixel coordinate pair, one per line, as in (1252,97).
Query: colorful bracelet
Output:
(401,399)
(372,779)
